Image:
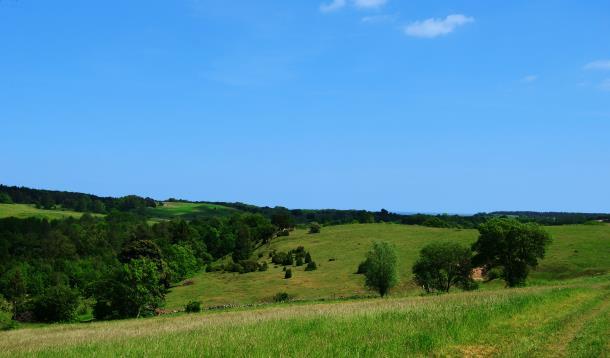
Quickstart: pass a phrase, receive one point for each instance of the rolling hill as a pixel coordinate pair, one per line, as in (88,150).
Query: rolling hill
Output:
(576,250)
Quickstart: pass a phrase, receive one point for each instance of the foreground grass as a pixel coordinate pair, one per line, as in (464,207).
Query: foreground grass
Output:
(568,320)
(27,210)
(576,251)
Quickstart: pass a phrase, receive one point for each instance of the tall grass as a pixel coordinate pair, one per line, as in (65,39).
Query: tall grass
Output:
(515,322)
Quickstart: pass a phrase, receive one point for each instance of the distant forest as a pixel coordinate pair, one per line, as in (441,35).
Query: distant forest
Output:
(50,199)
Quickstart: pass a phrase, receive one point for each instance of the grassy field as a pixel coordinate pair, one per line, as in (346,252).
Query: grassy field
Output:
(578,250)
(171,210)
(569,320)
(27,210)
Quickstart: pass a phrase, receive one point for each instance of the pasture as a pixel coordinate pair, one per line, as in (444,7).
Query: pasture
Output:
(29,210)
(576,250)
(558,320)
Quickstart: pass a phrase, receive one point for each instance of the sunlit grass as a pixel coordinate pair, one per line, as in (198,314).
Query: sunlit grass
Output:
(506,322)
(28,210)
(346,245)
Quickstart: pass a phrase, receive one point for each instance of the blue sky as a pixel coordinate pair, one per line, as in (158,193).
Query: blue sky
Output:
(458,107)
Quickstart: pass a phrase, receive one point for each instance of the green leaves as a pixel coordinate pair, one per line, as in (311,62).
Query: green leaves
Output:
(381,273)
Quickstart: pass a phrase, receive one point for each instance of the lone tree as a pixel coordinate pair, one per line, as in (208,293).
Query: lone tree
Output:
(512,246)
(381,273)
(442,265)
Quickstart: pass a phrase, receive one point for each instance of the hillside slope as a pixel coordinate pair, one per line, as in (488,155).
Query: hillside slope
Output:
(29,210)
(577,250)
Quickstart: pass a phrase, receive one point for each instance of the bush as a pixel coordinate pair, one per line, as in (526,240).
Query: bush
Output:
(263,266)
(248,266)
(307,258)
(288,273)
(289,261)
(279,258)
(56,304)
(314,228)
(281,297)
(494,273)
(193,307)
(311,266)
(284,232)
(6,314)
(363,267)
(299,261)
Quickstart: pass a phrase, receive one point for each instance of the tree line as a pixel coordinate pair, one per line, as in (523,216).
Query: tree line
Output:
(283,217)
(120,264)
(50,199)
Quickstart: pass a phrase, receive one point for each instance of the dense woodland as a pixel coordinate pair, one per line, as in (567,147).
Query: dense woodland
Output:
(122,262)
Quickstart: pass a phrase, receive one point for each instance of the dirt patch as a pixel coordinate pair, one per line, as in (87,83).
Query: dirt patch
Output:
(478,274)
(477,351)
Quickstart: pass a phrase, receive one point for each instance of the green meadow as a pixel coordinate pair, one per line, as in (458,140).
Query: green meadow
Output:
(29,210)
(576,250)
(568,320)
(185,210)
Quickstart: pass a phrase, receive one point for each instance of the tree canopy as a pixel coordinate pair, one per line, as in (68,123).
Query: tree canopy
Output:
(442,265)
(512,246)
(381,272)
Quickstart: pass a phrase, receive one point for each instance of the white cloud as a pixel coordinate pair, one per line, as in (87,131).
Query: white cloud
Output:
(369,3)
(431,28)
(598,65)
(332,6)
(376,19)
(529,78)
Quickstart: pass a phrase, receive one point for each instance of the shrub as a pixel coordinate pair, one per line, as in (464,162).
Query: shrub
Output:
(307,258)
(56,304)
(494,273)
(279,258)
(263,266)
(289,261)
(314,228)
(311,266)
(281,297)
(284,232)
(6,313)
(193,307)
(288,273)
(363,267)
(248,266)
(299,261)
